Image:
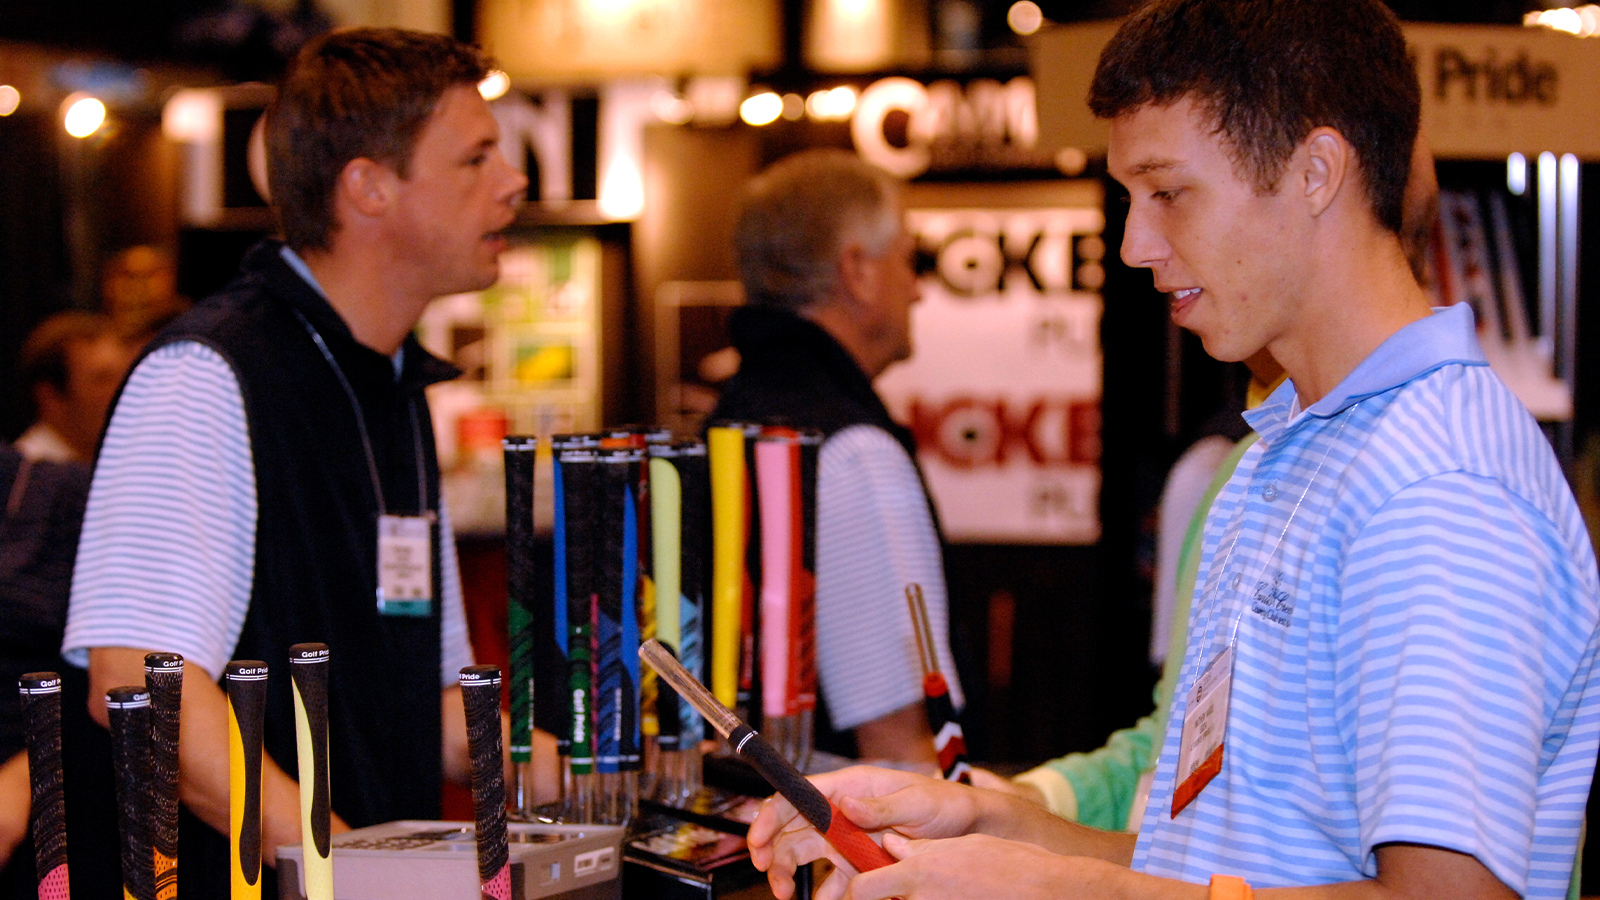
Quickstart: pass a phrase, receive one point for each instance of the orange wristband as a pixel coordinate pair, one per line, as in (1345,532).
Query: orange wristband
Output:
(1229,887)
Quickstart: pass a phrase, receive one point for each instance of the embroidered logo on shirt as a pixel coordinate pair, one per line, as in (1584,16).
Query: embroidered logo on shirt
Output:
(1272,603)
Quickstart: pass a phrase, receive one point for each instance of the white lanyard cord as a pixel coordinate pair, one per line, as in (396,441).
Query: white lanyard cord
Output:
(1278,544)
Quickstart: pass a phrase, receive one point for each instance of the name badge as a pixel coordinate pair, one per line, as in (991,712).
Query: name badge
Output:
(405,565)
(1205,728)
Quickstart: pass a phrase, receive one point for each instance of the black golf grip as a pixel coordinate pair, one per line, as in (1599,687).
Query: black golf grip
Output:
(480,697)
(128,714)
(41,713)
(163,678)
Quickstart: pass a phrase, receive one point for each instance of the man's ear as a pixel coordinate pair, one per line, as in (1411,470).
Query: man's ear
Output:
(855,273)
(366,186)
(1325,167)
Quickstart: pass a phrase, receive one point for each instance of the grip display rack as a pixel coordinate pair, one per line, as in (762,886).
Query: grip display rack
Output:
(433,860)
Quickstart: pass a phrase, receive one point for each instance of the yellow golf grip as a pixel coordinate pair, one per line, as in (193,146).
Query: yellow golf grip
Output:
(247,701)
(725,446)
(666,535)
(308,668)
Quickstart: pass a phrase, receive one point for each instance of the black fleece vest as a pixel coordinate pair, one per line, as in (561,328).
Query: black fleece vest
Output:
(316,544)
(793,372)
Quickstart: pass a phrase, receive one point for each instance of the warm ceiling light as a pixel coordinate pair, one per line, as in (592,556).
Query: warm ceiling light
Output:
(1589,16)
(832,105)
(1025,17)
(84,115)
(10,99)
(761,109)
(193,116)
(1566,20)
(494,85)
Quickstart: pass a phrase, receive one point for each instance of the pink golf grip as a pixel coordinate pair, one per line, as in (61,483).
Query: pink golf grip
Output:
(856,845)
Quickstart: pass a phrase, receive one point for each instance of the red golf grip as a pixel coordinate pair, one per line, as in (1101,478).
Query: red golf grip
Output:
(856,845)
(843,834)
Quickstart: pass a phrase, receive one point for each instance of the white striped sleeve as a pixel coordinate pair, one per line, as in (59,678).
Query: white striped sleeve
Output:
(875,535)
(167,554)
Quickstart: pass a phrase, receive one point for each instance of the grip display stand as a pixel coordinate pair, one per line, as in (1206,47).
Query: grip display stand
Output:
(435,860)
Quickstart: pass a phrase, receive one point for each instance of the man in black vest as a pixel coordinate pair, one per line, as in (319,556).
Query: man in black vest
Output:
(268,476)
(827,266)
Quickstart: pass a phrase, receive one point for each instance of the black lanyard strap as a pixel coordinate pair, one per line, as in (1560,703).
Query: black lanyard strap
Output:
(361,423)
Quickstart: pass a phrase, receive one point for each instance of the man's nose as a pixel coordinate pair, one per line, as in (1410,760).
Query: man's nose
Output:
(1143,246)
(518,185)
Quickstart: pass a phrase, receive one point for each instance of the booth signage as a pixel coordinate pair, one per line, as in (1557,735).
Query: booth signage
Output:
(1003,387)
(909,129)
(1489,80)
(1487,90)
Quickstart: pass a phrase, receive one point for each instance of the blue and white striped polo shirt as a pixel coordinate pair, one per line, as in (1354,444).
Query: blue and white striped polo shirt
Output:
(166,559)
(1416,607)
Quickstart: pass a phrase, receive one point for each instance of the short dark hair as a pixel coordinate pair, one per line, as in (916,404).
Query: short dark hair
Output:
(1268,72)
(799,213)
(351,94)
(43,359)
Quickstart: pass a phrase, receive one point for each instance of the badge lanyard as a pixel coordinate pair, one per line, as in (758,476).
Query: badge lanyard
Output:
(1205,717)
(405,543)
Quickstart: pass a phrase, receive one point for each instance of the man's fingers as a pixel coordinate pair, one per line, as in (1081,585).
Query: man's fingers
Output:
(775,816)
(791,848)
(905,810)
(900,846)
(833,887)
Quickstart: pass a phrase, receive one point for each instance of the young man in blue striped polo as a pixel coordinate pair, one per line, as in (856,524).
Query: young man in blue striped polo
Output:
(1387,689)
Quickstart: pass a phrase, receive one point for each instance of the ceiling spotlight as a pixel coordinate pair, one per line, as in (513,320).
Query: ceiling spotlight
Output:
(832,105)
(84,115)
(761,108)
(1025,17)
(494,85)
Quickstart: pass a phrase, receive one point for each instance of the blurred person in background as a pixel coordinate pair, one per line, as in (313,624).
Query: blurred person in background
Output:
(139,291)
(829,282)
(71,365)
(41,513)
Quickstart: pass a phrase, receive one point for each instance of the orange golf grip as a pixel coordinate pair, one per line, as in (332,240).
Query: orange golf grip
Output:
(856,845)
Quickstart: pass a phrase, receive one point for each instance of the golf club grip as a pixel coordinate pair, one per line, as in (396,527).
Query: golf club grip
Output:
(846,837)
(247,703)
(41,713)
(480,698)
(308,673)
(163,678)
(520,454)
(128,717)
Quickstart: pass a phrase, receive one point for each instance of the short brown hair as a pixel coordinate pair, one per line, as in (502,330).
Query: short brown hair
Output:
(1268,72)
(351,94)
(799,213)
